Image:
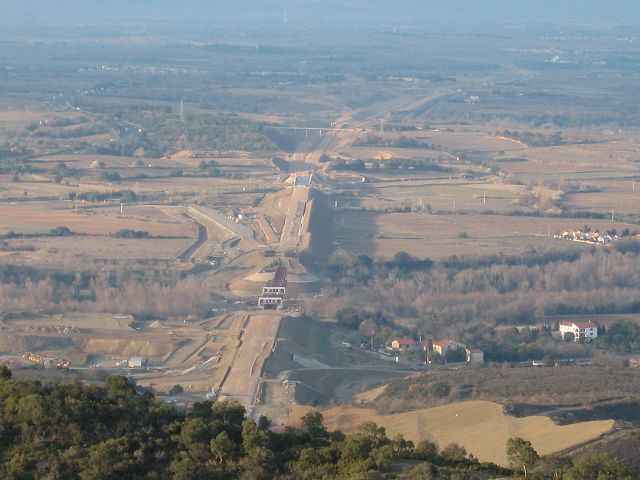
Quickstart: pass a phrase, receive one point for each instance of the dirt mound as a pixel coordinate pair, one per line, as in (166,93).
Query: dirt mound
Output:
(181,155)
(259,277)
(127,348)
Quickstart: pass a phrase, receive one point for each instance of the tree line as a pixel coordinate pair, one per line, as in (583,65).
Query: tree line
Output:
(456,295)
(118,431)
(149,294)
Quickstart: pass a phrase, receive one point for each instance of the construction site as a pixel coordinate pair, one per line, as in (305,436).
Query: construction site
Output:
(297,219)
(245,251)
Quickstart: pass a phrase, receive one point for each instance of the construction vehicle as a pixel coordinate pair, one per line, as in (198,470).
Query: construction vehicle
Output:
(46,362)
(63,364)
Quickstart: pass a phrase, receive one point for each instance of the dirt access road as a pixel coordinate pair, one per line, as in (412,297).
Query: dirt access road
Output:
(257,339)
(293,229)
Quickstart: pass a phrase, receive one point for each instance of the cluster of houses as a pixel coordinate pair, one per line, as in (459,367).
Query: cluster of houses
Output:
(441,348)
(570,331)
(593,237)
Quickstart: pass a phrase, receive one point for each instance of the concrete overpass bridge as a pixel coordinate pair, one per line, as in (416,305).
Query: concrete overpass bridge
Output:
(320,130)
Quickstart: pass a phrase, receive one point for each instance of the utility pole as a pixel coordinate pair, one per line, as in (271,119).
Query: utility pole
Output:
(544,313)
(613,216)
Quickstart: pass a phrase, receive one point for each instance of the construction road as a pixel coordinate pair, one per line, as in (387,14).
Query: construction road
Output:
(293,225)
(257,339)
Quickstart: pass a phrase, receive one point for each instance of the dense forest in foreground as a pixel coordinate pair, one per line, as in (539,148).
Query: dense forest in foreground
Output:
(119,431)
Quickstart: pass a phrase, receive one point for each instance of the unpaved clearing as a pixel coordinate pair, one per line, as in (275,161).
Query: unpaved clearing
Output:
(481,427)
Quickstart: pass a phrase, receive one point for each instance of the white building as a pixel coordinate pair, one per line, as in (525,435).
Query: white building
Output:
(137,362)
(271,303)
(581,331)
(475,356)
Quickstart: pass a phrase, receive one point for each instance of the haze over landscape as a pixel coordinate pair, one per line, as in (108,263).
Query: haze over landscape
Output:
(304,239)
(347,13)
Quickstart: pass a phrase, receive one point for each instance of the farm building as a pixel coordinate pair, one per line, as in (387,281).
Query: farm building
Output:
(137,362)
(475,356)
(404,344)
(579,331)
(441,347)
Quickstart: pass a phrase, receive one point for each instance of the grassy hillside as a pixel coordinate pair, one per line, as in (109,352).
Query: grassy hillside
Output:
(480,427)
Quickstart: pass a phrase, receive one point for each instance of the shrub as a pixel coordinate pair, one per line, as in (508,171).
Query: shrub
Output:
(127,233)
(440,390)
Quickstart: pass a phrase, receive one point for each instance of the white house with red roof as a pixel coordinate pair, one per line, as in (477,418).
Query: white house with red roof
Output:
(403,344)
(581,331)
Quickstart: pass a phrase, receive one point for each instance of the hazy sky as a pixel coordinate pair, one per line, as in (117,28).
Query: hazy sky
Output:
(345,12)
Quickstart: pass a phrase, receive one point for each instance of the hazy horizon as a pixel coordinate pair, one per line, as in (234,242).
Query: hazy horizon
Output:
(35,13)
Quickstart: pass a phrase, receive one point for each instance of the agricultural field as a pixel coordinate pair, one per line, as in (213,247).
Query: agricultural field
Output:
(447,195)
(36,187)
(584,163)
(440,236)
(95,233)
(618,196)
(472,140)
(482,428)
(16,119)
(34,218)
(89,249)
